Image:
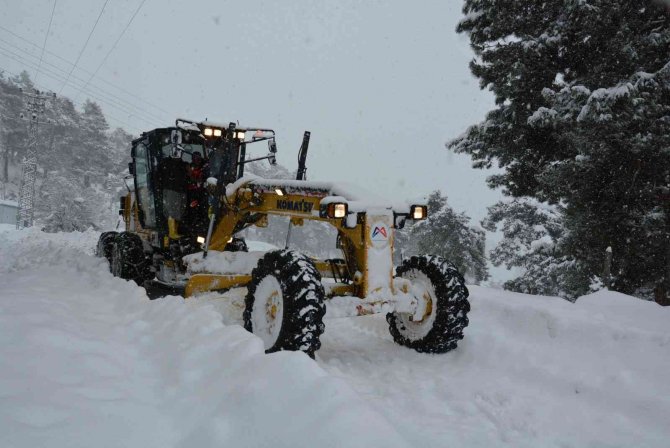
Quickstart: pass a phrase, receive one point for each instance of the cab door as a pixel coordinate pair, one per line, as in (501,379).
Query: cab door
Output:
(145,190)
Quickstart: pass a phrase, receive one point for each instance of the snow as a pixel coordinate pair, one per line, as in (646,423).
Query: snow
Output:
(531,371)
(88,360)
(542,116)
(615,92)
(223,262)
(6,227)
(260,246)
(602,96)
(9,203)
(357,198)
(545,241)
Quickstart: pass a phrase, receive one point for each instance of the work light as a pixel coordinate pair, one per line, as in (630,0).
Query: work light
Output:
(209,132)
(335,210)
(418,212)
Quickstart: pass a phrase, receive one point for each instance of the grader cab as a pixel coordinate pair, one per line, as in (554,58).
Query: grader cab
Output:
(190,200)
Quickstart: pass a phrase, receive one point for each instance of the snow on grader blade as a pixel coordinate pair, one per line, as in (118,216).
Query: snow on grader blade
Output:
(189,199)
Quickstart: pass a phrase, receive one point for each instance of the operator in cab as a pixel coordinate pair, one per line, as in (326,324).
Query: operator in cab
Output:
(196,193)
(172,172)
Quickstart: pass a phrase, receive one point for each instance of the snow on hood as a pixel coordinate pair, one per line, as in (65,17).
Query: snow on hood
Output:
(223,262)
(358,199)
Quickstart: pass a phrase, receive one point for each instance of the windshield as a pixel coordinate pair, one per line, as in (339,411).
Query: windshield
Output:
(188,149)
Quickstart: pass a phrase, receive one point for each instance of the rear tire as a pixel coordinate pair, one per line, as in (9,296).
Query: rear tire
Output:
(442,327)
(128,260)
(104,246)
(284,304)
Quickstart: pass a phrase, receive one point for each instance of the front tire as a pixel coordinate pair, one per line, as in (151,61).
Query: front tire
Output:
(128,260)
(446,314)
(284,304)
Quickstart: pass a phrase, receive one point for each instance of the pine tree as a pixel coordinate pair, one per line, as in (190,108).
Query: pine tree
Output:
(65,206)
(533,240)
(447,234)
(12,129)
(80,163)
(581,119)
(94,148)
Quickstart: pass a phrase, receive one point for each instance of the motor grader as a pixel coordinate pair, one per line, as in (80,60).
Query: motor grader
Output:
(188,242)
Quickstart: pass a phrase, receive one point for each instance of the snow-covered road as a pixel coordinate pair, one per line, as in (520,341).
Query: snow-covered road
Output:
(531,372)
(87,360)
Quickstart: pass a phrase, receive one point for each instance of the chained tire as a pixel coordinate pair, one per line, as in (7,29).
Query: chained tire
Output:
(128,259)
(104,246)
(284,305)
(442,326)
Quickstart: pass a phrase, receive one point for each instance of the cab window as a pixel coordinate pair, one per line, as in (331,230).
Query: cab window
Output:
(143,187)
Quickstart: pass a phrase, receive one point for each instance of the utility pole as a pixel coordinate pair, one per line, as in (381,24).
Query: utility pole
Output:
(35,106)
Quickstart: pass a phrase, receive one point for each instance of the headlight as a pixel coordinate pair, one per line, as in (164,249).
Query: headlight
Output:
(209,132)
(201,240)
(339,210)
(418,212)
(335,210)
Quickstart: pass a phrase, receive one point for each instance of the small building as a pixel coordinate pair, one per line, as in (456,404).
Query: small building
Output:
(8,211)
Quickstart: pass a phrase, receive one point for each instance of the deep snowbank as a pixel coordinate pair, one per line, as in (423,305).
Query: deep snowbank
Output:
(88,360)
(531,372)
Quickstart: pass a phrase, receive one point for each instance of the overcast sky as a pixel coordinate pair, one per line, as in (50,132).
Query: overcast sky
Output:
(382,85)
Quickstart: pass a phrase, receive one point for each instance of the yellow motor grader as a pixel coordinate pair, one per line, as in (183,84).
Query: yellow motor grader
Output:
(189,201)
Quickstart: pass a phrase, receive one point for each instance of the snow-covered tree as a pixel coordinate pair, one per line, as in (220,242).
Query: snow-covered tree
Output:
(65,206)
(80,162)
(533,240)
(12,128)
(582,95)
(94,143)
(448,234)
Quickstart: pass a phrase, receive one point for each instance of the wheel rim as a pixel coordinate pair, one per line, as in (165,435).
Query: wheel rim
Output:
(421,286)
(268,311)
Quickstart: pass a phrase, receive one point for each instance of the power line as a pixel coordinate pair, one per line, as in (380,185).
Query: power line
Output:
(113,46)
(96,89)
(84,47)
(58,77)
(91,89)
(121,89)
(129,126)
(46,37)
(119,101)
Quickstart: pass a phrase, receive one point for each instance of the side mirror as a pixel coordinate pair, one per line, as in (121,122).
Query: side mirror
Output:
(122,205)
(272,146)
(131,168)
